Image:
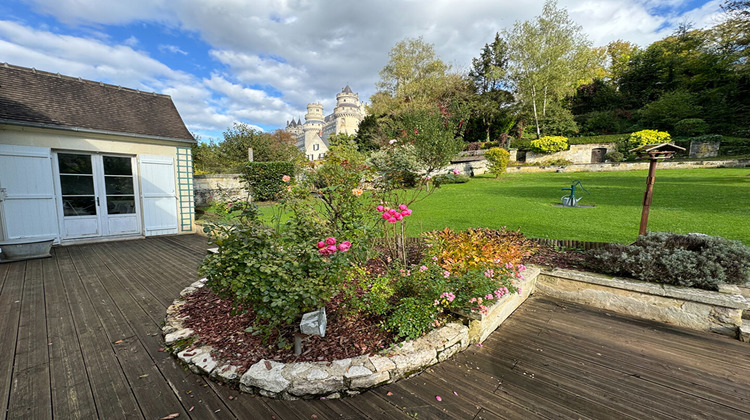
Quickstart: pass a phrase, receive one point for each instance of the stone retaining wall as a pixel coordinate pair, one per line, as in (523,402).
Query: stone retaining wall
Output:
(340,377)
(223,187)
(686,307)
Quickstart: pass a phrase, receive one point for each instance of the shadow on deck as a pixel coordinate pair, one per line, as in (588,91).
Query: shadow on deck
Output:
(80,338)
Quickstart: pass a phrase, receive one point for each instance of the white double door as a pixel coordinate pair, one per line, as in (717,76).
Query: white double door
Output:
(97,195)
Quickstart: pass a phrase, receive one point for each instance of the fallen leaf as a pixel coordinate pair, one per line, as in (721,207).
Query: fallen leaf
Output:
(143,376)
(389,393)
(171,416)
(313,416)
(161,348)
(437,397)
(268,365)
(455,393)
(191,408)
(120,341)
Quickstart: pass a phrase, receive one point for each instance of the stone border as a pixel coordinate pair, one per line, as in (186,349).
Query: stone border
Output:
(340,377)
(719,312)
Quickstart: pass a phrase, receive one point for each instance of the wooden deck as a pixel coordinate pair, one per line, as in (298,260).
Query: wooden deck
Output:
(79,338)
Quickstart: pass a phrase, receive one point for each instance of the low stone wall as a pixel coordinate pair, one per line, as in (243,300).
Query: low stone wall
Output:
(578,153)
(686,307)
(341,377)
(222,187)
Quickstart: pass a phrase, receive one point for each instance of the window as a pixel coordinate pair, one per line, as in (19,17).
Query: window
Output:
(321,155)
(310,157)
(316,146)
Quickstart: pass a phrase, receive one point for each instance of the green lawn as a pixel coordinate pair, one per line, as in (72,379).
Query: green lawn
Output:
(711,201)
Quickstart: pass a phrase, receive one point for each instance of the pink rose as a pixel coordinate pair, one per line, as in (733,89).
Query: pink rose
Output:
(406,212)
(380,208)
(398,216)
(402,207)
(392,220)
(331,249)
(331,241)
(323,251)
(344,246)
(392,211)
(321,244)
(386,216)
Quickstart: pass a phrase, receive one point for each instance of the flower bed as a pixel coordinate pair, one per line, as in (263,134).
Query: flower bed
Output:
(337,378)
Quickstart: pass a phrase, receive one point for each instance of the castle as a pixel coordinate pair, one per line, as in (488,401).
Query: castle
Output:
(312,136)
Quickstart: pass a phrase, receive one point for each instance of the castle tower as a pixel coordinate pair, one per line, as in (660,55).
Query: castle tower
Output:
(312,136)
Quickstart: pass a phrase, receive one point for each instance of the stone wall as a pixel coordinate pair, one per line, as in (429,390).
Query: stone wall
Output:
(685,307)
(704,149)
(578,153)
(217,187)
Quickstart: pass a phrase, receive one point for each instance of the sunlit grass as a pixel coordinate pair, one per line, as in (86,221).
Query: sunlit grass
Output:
(710,201)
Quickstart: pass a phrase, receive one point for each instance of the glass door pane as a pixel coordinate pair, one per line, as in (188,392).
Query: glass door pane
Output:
(118,184)
(77,184)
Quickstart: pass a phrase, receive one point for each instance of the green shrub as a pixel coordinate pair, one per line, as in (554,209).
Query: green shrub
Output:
(549,144)
(614,157)
(557,162)
(451,178)
(691,127)
(692,260)
(279,274)
(264,180)
(397,165)
(644,137)
(497,160)
(708,138)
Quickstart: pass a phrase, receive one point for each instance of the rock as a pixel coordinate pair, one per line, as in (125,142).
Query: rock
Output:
(370,381)
(407,364)
(450,351)
(744,333)
(187,355)
(260,376)
(382,363)
(307,387)
(198,284)
(178,335)
(204,362)
(187,291)
(317,374)
(226,373)
(357,371)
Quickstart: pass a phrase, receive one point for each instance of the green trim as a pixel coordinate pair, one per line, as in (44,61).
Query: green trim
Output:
(185,187)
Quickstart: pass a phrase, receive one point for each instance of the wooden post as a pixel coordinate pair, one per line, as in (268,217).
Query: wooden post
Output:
(250,154)
(647,196)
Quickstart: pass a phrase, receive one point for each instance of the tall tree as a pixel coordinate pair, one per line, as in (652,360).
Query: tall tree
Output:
(412,64)
(548,56)
(488,71)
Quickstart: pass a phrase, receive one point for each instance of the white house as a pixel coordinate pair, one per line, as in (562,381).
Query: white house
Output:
(83,160)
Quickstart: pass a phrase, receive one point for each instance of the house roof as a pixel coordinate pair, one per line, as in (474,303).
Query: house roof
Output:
(33,97)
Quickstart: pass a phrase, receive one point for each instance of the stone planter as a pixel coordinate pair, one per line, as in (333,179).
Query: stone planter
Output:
(682,306)
(24,249)
(348,376)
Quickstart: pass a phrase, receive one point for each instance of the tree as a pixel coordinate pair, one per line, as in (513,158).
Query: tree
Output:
(547,58)
(412,61)
(276,146)
(619,54)
(488,71)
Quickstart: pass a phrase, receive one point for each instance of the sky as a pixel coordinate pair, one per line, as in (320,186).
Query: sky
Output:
(261,62)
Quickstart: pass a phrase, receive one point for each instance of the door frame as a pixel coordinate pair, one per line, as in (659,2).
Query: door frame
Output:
(97,169)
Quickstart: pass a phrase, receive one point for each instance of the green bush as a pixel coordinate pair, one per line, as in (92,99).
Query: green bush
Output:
(264,180)
(691,127)
(549,144)
(397,165)
(691,260)
(556,162)
(614,157)
(279,274)
(450,178)
(497,160)
(644,137)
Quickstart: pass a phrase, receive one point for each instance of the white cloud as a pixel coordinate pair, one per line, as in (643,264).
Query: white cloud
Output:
(268,58)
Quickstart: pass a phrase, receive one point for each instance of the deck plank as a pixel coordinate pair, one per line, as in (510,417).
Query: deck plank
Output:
(71,389)
(144,315)
(112,394)
(153,394)
(10,313)
(550,359)
(30,396)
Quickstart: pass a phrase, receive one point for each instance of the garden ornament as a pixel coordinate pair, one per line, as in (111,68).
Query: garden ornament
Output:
(313,323)
(571,200)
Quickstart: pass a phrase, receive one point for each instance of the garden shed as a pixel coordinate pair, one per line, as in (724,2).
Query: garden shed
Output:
(83,160)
